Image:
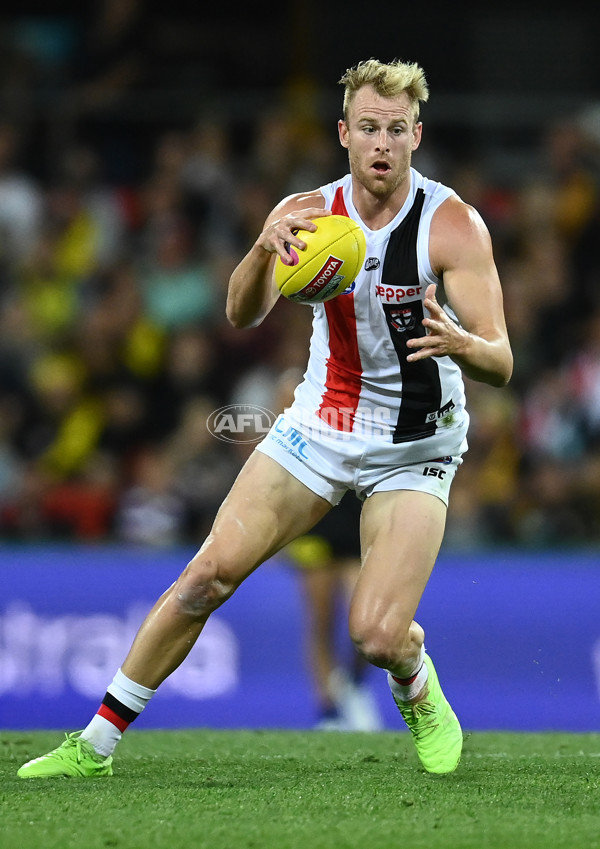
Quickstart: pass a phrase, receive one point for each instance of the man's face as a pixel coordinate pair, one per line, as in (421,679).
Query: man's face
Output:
(380,136)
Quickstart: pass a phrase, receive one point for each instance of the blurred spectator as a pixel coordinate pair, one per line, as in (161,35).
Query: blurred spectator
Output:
(177,287)
(109,209)
(204,468)
(82,508)
(190,371)
(208,184)
(113,59)
(20,200)
(551,424)
(486,489)
(149,511)
(583,375)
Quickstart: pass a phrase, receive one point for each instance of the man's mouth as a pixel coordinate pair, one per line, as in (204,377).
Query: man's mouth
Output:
(381,166)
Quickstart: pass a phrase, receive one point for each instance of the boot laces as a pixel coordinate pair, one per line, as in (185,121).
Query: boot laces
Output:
(70,741)
(421,718)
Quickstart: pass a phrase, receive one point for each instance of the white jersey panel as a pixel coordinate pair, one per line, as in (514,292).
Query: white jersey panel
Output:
(357,380)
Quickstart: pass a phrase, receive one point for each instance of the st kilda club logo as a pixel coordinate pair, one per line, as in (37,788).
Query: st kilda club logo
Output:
(403,320)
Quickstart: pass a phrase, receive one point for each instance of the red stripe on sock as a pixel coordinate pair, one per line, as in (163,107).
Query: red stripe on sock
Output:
(404,682)
(111,716)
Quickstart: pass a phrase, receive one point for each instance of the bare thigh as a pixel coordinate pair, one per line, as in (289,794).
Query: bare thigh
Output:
(401,533)
(266,508)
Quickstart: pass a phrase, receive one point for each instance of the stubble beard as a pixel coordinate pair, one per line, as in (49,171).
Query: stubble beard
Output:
(384,186)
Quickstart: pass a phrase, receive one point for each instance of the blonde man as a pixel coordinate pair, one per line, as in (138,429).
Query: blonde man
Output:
(381,412)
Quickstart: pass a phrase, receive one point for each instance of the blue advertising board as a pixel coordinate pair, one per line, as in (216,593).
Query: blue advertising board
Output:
(515,638)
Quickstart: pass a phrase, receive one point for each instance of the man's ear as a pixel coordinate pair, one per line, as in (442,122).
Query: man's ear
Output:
(343,133)
(417,134)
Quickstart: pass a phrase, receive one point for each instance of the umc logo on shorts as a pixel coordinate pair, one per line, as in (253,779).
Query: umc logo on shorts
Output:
(245,423)
(291,439)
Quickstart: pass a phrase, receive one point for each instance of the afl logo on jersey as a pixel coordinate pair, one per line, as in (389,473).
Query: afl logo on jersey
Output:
(372,263)
(402,320)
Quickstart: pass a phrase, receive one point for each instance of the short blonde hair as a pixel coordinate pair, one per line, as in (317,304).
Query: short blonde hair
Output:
(388,80)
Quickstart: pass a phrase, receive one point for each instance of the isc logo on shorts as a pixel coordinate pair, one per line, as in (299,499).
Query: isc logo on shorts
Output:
(432,472)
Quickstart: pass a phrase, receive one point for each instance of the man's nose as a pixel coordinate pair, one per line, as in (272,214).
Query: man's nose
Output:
(382,142)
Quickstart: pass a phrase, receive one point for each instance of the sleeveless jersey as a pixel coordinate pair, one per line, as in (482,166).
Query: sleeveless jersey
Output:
(358,381)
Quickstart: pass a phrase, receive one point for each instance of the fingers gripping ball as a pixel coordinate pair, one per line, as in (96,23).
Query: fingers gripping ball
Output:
(334,255)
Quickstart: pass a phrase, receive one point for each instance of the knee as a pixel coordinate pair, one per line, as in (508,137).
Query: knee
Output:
(201,588)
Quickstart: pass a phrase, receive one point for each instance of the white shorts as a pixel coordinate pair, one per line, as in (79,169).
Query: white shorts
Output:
(330,466)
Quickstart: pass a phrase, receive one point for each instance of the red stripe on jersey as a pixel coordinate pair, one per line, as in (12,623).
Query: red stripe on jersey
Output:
(116,720)
(344,368)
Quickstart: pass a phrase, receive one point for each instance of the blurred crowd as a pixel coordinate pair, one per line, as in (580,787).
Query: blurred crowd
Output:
(115,350)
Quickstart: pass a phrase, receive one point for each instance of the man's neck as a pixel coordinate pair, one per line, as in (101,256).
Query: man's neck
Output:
(378,211)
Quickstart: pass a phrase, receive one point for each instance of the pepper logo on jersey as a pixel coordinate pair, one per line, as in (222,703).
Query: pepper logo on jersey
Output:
(403,320)
(397,294)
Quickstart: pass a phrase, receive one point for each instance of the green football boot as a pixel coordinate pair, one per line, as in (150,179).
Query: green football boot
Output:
(74,757)
(434,726)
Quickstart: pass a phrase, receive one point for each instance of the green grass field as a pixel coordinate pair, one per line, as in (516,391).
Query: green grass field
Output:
(307,790)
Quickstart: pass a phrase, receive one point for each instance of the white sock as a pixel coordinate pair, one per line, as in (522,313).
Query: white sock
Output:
(132,695)
(407,689)
(102,734)
(123,702)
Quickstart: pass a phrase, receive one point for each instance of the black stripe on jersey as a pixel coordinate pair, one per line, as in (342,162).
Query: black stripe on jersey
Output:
(421,387)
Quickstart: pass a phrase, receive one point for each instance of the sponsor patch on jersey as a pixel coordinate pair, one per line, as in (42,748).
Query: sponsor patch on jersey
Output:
(371,263)
(443,413)
(397,294)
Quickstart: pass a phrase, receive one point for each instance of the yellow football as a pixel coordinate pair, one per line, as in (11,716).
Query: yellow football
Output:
(334,255)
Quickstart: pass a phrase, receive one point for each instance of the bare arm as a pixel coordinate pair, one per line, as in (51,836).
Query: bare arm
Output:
(252,292)
(461,252)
